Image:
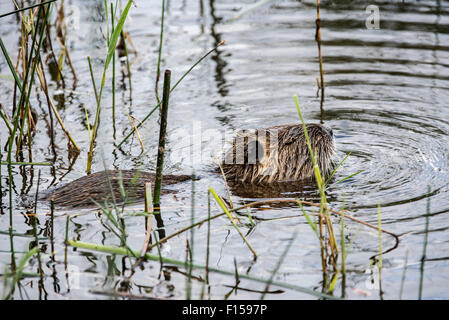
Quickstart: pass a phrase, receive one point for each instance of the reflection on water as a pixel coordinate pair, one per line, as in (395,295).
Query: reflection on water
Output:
(386,100)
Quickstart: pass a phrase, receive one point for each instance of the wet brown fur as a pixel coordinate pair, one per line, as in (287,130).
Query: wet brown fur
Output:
(289,161)
(96,187)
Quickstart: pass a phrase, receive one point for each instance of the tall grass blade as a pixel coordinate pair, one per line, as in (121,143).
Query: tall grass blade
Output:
(350,176)
(159,57)
(335,170)
(116,34)
(225,209)
(10,65)
(309,220)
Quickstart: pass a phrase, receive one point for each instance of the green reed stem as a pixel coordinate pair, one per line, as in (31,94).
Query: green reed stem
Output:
(324,211)
(33,70)
(93,79)
(335,170)
(309,220)
(27,71)
(113,12)
(10,65)
(350,176)
(6,121)
(159,252)
(107,20)
(320,58)
(96,124)
(162,138)
(158,71)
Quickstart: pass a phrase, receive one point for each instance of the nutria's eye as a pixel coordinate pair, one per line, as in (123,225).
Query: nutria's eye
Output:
(331,132)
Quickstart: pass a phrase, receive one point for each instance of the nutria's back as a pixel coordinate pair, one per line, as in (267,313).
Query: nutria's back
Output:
(99,186)
(278,154)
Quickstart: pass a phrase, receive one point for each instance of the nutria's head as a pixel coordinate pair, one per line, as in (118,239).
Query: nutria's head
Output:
(282,154)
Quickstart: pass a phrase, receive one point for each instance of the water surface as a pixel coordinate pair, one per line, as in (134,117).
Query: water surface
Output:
(386,99)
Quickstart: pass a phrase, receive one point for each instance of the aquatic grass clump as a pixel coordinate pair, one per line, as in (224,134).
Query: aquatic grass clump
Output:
(324,218)
(22,110)
(21,124)
(30,59)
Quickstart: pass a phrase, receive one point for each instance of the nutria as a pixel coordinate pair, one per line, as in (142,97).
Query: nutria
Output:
(255,158)
(279,154)
(96,187)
